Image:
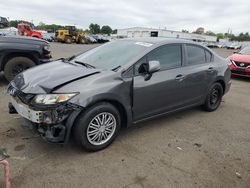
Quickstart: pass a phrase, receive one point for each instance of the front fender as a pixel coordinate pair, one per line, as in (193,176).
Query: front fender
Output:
(109,97)
(123,100)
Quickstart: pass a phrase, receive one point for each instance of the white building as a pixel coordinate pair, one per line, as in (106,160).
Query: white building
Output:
(151,32)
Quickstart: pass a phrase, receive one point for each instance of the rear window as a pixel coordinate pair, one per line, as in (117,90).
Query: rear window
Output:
(195,54)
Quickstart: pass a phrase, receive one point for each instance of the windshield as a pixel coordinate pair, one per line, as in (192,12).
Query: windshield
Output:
(245,51)
(113,54)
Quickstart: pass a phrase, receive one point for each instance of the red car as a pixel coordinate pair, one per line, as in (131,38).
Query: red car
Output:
(240,62)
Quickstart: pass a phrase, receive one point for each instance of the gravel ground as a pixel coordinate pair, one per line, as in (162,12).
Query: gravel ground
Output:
(192,148)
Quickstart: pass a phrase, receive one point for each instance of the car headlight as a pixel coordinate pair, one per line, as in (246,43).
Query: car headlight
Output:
(230,62)
(46,48)
(49,99)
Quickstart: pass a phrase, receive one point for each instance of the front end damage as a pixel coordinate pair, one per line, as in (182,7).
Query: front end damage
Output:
(53,122)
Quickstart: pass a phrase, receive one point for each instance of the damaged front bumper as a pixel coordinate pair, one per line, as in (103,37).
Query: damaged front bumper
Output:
(53,124)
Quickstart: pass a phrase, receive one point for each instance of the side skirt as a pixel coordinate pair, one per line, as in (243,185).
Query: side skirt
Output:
(168,112)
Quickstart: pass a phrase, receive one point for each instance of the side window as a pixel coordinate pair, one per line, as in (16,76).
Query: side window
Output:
(169,56)
(195,55)
(208,56)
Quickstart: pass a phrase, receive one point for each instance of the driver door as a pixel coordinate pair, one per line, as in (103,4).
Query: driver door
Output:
(164,90)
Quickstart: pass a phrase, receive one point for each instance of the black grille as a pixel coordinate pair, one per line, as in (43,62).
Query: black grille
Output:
(241,72)
(25,98)
(241,64)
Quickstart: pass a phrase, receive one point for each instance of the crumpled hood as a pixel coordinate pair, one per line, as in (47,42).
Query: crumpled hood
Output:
(47,77)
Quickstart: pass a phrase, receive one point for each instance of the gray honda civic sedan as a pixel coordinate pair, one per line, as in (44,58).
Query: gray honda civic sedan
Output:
(118,84)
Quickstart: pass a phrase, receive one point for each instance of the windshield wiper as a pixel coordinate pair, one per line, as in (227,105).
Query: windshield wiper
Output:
(85,64)
(66,60)
(71,58)
(116,68)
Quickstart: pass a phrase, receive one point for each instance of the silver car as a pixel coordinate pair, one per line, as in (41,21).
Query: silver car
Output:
(116,85)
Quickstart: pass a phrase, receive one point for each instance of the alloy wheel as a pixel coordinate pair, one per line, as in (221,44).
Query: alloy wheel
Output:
(214,97)
(101,128)
(19,68)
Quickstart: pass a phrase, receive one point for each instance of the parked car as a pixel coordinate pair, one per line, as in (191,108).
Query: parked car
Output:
(214,45)
(20,53)
(234,46)
(48,37)
(225,44)
(240,62)
(90,39)
(117,84)
(100,38)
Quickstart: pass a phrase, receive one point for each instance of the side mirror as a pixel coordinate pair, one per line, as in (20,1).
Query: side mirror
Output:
(153,66)
(149,68)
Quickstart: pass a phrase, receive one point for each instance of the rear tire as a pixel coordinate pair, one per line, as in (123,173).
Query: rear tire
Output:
(16,65)
(97,127)
(214,97)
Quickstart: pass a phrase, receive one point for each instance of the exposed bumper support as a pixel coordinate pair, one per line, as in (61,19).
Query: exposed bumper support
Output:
(12,109)
(54,125)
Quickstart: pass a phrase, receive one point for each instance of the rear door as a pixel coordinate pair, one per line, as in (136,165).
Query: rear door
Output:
(199,71)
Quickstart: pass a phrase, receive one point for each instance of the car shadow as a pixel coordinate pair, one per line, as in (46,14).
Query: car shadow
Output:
(124,134)
(244,79)
(3,81)
(164,119)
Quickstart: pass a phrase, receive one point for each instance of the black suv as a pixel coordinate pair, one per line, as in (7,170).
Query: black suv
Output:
(20,53)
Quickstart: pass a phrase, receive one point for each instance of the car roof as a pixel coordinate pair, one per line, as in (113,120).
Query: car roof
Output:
(159,40)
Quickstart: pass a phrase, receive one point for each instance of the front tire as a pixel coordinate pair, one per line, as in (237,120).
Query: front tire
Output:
(68,40)
(16,65)
(81,40)
(214,97)
(97,127)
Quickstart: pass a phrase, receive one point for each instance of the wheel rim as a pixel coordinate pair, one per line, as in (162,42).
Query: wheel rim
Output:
(214,96)
(101,128)
(19,68)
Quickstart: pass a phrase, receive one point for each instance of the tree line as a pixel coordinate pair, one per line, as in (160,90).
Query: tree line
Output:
(230,36)
(93,28)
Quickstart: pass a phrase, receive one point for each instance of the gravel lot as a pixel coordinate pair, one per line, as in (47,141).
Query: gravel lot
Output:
(192,148)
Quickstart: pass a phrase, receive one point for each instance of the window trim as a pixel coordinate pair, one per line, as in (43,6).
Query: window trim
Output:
(212,57)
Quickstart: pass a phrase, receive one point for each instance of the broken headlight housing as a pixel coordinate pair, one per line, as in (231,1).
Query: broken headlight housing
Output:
(50,99)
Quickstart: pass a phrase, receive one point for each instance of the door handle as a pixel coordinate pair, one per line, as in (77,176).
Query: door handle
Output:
(179,77)
(210,69)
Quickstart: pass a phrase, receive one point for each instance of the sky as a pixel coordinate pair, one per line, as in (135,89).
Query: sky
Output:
(214,15)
